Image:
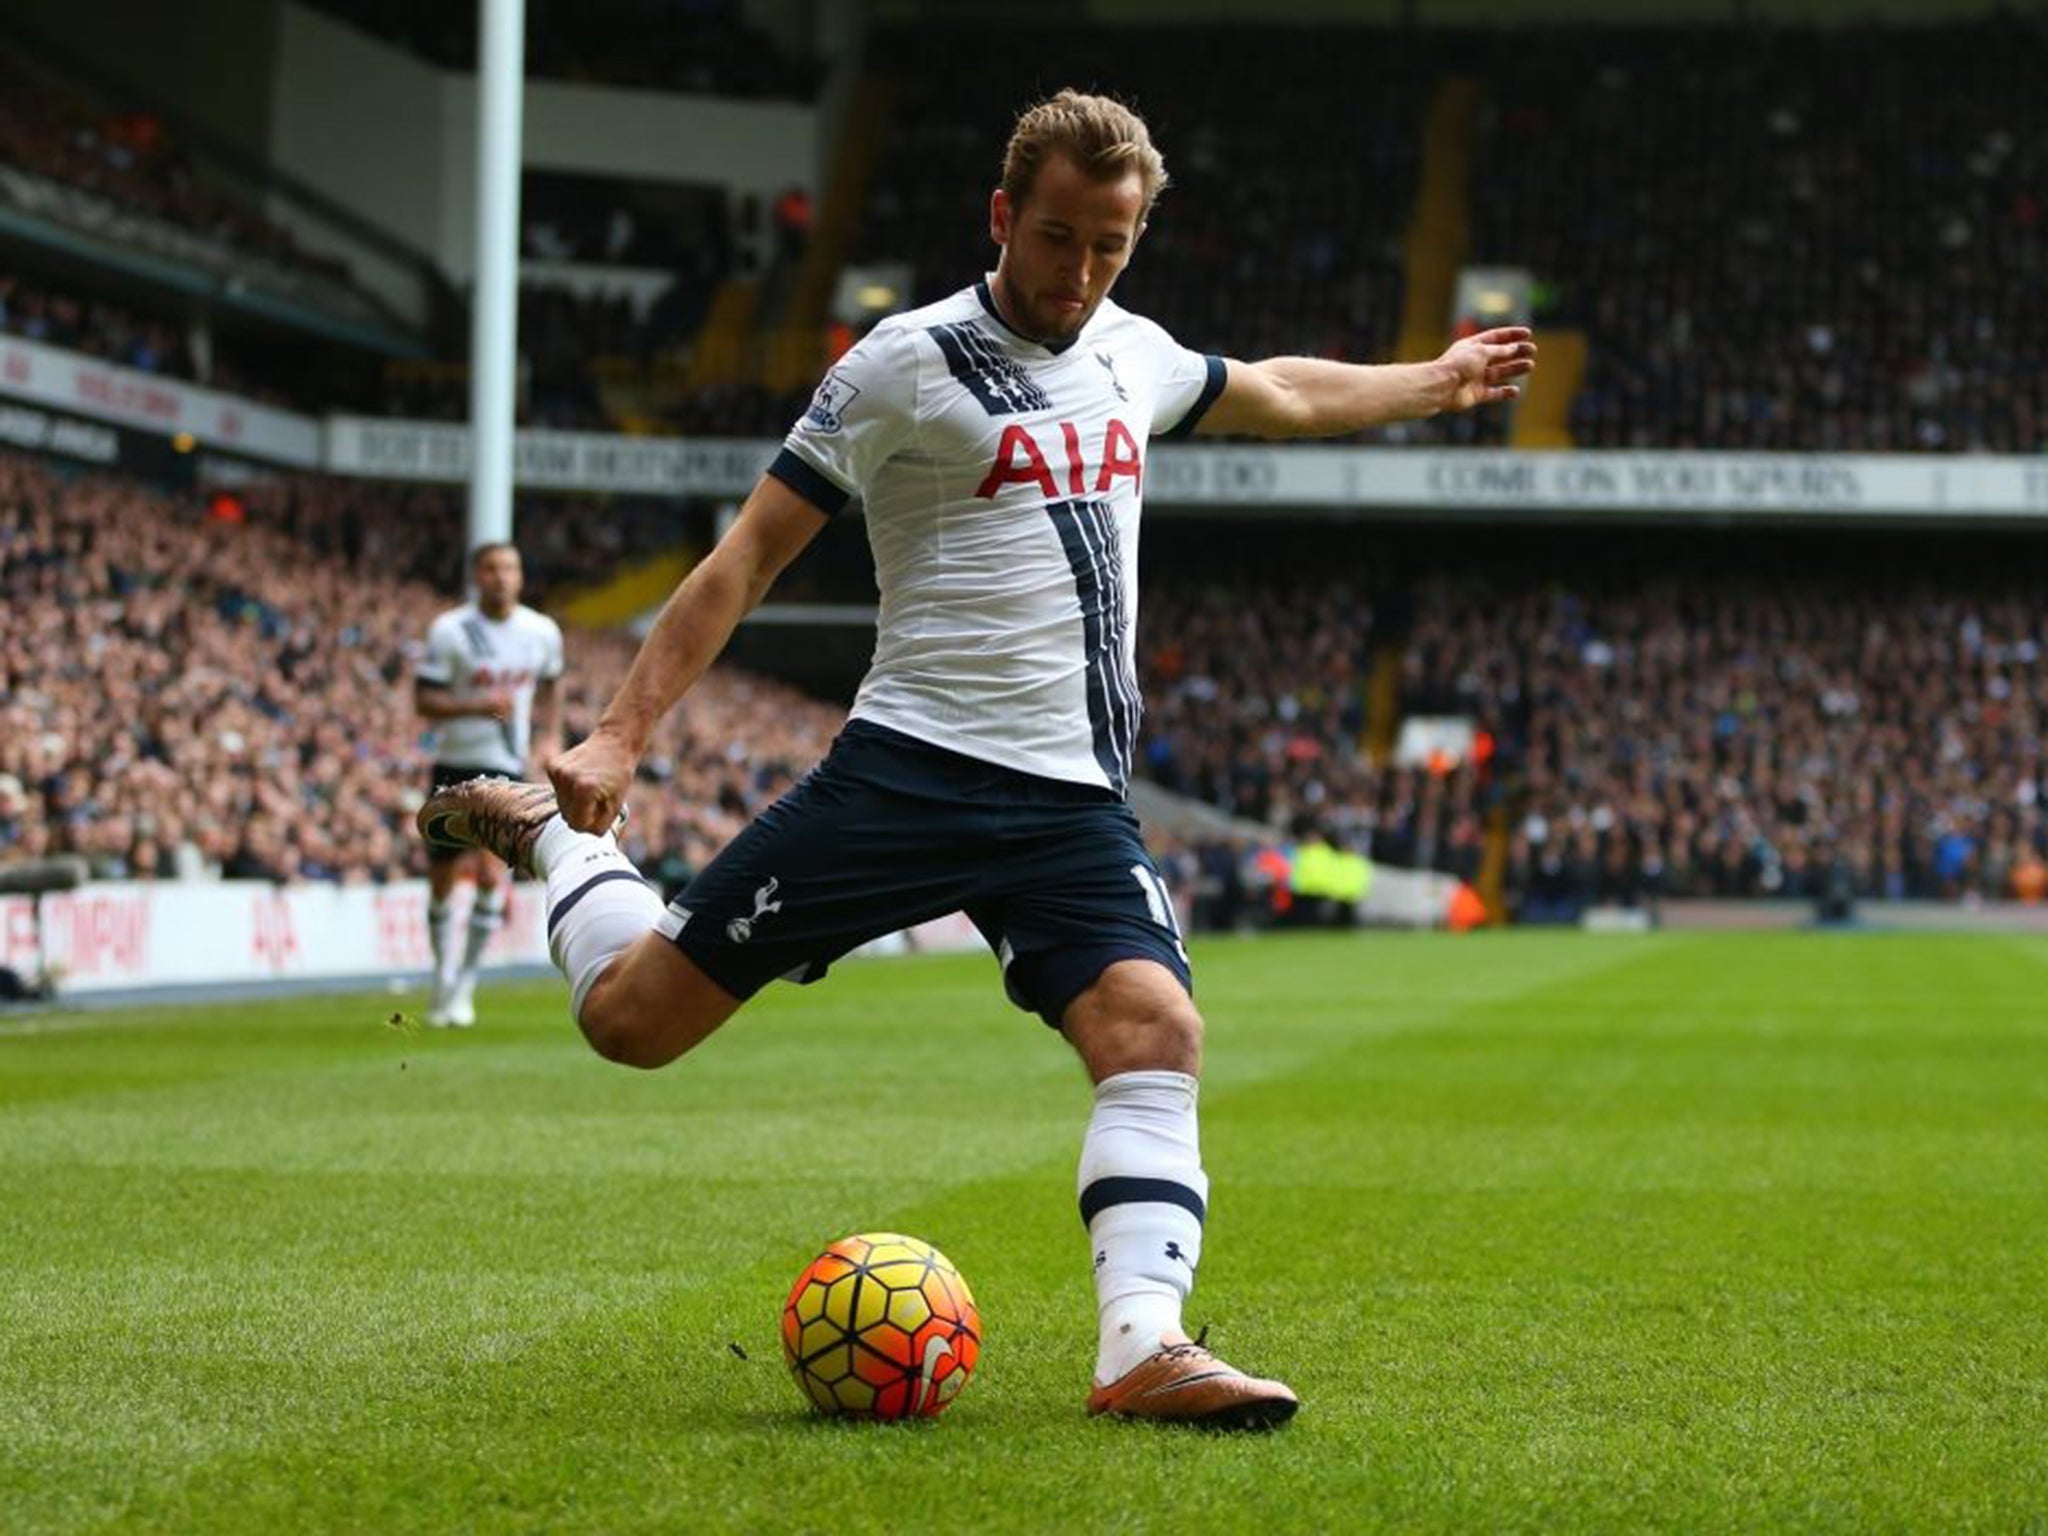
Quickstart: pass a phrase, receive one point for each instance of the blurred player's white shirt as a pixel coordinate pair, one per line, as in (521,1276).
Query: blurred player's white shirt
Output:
(473,656)
(1002,483)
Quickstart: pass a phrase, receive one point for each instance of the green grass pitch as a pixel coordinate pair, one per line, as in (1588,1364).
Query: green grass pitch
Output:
(1551,1233)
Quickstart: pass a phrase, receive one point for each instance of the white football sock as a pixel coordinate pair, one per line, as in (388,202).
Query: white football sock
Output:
(1143,1197)
(441,935)
(486,917)
(598,906)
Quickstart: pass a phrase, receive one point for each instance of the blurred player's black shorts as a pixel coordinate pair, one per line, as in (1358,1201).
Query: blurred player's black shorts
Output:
(889,831)
(454,773)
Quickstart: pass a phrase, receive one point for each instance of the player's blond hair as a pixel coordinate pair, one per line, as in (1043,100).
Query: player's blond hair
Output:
(1101,135)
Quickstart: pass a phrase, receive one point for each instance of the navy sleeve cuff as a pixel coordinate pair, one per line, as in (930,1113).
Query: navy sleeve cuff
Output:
(1212,386)
(794,472)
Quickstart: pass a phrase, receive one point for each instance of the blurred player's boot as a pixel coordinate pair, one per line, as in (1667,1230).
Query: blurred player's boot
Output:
(1185,1384)
(461,1010)
(497,815)
(597,903)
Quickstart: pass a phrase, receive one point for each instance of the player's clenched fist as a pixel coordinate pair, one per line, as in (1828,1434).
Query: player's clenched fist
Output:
(591,780)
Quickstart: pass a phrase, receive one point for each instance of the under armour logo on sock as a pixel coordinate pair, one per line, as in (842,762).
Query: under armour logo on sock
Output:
(1101,1258)
(1173,1252)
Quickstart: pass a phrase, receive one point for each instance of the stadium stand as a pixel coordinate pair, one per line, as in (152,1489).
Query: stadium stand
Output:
(566,340)
(97,327)
(67,156)
(1763,253)
(565,337)
(1748,183)
(1266,242)
(706,48)
(151,343)
(1783,238)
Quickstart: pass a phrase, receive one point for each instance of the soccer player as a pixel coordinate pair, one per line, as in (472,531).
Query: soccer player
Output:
(998,439)
(487,683)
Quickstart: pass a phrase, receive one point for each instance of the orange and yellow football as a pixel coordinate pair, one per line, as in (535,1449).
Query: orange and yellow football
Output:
(881,1326)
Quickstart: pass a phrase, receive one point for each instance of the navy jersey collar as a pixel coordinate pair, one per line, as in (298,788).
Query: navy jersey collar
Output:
(987,296)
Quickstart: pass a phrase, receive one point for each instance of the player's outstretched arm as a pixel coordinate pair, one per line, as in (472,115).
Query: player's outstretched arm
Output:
(433,701)
(591,778)
(1311,397)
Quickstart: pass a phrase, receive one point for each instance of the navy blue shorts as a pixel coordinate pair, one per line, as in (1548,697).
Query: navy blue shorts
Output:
(889,831)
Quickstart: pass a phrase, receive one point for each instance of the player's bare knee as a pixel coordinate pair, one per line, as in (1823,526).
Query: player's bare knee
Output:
(632,1047)
(1168,1037)
(1136,1018)
(621,1032)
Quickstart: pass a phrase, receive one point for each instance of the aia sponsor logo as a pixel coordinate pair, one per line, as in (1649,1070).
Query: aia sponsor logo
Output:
(1022,460)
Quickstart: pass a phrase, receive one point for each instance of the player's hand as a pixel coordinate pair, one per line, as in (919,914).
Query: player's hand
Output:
(591,780)
(495,706)
(1482,367)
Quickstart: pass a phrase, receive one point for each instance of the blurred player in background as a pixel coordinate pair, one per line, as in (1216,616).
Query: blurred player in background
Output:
(487,683)
(997,440)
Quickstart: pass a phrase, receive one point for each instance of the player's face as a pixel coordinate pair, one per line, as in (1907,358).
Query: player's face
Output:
(499,580)
(1063,246)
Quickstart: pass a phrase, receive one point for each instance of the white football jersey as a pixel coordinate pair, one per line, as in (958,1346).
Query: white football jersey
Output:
(472,656)
(1002,482)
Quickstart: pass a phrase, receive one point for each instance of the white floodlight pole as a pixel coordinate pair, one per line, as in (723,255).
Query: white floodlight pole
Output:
(494,313)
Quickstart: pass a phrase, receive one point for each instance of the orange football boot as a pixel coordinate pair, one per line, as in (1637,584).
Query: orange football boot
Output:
(1184,1384)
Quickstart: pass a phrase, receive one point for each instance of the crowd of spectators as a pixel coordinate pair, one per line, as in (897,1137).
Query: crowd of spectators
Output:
(192,691)
(184,691)
(1783,238)
(1256,697)
(1848,727)
(704,47)
(415,533)
(95,326)
(186,695)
